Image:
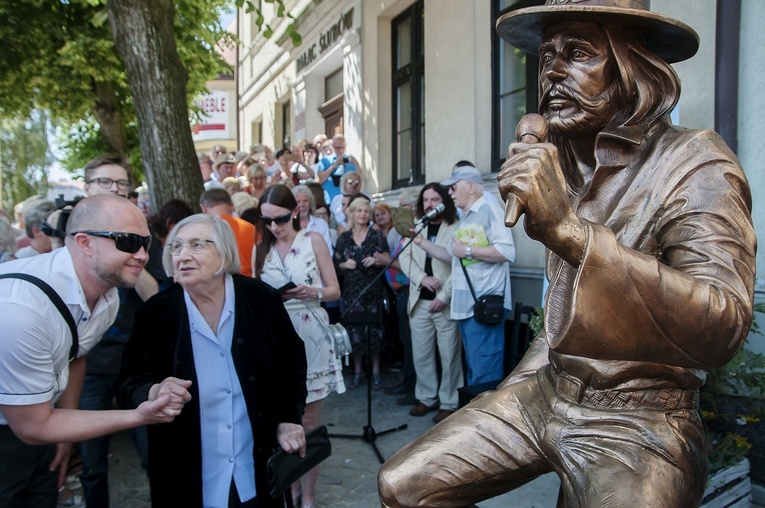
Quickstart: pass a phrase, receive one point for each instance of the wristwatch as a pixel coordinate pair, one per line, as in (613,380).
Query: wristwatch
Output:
(319,294)
(469,253)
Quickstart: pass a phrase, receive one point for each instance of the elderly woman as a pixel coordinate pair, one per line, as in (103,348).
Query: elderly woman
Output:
(306,208)
(224,346)
(350,183)
(287,254)
(354,256)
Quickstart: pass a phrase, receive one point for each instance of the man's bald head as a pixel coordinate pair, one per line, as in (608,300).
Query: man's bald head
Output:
(101,212)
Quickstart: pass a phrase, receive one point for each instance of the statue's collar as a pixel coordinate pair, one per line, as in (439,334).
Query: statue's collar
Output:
(616,145)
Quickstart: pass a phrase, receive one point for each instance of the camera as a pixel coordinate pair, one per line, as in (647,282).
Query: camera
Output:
(64,207)
(346,160)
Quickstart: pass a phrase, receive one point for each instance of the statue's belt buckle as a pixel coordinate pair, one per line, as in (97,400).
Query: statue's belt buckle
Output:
(568,386)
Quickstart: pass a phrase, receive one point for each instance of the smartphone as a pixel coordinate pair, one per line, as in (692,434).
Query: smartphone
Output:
(289,157)
(286,287)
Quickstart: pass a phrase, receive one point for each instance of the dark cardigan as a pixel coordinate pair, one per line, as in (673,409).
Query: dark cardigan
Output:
(270,362)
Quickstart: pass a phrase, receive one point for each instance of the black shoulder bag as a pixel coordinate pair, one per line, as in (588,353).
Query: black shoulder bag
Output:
(488,309)
(58,302)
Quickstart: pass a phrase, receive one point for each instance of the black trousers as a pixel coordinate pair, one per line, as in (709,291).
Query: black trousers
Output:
(25,480)
(233,499)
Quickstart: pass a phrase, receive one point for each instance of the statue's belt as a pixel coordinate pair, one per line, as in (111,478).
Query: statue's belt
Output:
(575,390)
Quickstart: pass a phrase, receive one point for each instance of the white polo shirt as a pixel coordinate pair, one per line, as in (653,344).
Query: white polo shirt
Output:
(34,338)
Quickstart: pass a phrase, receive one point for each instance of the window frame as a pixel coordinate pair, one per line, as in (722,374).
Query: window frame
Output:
(414,74)
(498,152)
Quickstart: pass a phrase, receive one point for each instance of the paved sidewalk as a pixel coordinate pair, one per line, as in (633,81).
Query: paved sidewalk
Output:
(349,477)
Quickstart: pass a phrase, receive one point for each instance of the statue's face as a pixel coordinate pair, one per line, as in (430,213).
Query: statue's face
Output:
(576,77)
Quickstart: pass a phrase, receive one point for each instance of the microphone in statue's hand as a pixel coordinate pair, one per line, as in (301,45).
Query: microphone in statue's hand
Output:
(440,207)
(531,129)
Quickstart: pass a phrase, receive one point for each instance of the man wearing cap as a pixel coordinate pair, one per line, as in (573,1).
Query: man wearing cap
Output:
(652,272)
(223,166)
(483,246)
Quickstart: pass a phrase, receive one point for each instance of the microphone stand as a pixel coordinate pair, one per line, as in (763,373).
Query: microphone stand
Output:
(369,434)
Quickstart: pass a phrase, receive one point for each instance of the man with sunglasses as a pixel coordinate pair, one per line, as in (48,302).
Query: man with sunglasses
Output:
(109,174)
(39,387)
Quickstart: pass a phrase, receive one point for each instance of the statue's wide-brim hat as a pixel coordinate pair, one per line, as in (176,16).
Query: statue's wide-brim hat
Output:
(668,38)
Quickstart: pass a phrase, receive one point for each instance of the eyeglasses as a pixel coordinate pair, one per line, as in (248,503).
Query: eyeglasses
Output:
(125,242)
(353,182)
(338,146)
(281,220)
(453,187)
(195,246)
(106,183)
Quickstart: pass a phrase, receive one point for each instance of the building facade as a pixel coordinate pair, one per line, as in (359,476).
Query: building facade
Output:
(417,85)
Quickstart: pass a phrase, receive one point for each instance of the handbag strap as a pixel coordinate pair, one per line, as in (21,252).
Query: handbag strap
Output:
(467,278)
(470,284)
(57,301)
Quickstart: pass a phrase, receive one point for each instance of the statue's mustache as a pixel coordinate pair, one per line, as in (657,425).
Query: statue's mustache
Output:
(585,102)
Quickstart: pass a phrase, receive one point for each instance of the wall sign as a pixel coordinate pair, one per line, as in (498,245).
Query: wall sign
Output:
(215,118)
(327,39)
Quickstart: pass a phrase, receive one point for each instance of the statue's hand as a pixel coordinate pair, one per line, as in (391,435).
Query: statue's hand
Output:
(533,174)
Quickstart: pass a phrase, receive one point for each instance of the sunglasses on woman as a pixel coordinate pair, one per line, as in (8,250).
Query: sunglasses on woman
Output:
(125,242)
(281,220)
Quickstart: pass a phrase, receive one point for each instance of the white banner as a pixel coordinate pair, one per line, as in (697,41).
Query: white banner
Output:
(215,116)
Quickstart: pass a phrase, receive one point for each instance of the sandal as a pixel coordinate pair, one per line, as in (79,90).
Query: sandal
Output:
(357,380)
(376,383)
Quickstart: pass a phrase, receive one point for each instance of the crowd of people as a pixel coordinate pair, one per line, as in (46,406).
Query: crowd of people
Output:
(218,325)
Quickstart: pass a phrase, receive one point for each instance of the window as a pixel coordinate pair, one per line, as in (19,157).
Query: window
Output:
(257,132)
(332,109)
(286,125)
(408,97)
(514,84)
(333,85)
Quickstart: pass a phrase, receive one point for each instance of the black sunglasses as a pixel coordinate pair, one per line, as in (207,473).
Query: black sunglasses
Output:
(281,220)
(126,242)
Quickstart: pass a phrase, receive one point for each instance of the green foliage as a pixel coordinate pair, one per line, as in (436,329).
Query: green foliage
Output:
(56,53)
(24,157)
(537,322)
(735,387)
(282,14)
(726,449)
(79,142)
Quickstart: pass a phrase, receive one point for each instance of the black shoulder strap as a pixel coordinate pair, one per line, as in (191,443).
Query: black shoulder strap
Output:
(467,278)
(57,301)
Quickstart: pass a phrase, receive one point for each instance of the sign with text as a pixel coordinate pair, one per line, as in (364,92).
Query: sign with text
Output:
(326,40)
(214,121)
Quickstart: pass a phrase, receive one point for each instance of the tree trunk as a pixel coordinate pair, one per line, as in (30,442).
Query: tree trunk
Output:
(143,35)
(109,117)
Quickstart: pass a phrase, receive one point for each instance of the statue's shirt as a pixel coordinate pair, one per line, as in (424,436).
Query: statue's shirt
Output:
(665,285)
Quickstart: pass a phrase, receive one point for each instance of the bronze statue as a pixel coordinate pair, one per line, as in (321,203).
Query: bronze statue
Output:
(651,270)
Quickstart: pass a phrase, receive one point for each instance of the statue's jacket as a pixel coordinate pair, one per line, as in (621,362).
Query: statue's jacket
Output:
(664,289)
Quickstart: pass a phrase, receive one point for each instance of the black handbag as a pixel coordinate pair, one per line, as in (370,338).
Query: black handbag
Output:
(286,468)
(488,309)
